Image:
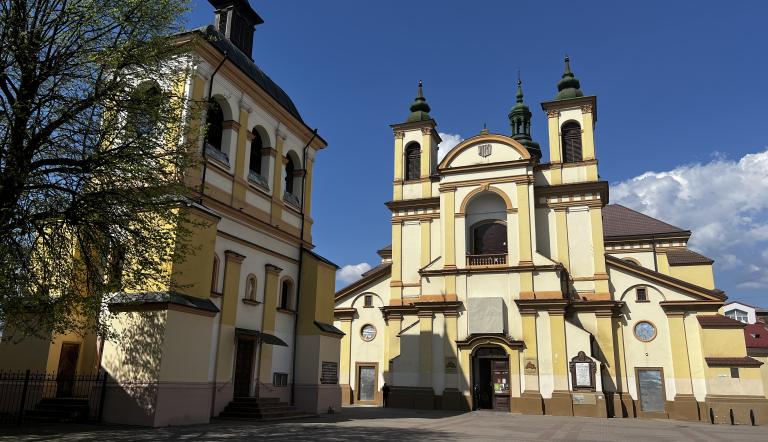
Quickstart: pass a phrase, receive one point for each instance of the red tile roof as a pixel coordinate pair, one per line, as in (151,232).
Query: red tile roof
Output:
(718,321)
(756,335)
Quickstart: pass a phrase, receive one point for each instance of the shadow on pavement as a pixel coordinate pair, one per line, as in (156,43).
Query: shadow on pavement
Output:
(322,427)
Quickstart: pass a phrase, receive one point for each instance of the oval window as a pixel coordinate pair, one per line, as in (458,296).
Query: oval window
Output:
(368,332)
(645,331)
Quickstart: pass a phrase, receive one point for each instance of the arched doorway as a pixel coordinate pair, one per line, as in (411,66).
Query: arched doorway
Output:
(490,378)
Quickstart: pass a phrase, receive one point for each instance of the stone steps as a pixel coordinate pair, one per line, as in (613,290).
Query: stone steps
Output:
(260,409)
(59,410)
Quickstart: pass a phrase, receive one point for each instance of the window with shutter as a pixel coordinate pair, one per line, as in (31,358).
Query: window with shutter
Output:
(571,133)
(413,162)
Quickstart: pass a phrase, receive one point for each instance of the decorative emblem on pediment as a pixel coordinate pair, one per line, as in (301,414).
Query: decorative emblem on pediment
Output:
(484,150)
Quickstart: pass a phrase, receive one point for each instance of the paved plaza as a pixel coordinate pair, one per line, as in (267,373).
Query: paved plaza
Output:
(392,425)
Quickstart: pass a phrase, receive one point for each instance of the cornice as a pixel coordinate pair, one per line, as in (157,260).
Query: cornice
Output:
(431,124)
(569,103)
(414,204)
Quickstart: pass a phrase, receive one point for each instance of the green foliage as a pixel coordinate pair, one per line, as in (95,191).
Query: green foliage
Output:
(93,153)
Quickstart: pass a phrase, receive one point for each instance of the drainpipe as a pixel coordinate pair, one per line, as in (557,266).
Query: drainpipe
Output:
(301,256)
(205,156)
(202,192)
(655,260)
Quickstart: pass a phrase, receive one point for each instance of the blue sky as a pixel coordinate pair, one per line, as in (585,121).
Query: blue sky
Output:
(681,104)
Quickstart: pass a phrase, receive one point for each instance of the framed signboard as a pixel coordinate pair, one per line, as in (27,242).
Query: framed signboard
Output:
(329,373)
(583,369)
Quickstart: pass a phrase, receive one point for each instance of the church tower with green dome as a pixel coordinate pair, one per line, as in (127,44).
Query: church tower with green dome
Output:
(520,120)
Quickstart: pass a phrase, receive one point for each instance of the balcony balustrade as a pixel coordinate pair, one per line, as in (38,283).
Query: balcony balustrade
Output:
(498,260)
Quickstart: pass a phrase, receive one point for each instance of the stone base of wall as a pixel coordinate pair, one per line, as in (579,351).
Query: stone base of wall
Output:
(684,408)
(454,400)
(316,399)
(158,404)
(588,404)
(739,410)
(412,397)
(619,404)
(530,402)
(346,394)
(560,404)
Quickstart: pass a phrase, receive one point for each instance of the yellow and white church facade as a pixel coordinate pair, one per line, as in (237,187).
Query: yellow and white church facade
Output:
(245,318)
(512,284)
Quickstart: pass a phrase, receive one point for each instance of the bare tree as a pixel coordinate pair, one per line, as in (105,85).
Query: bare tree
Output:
(92,156)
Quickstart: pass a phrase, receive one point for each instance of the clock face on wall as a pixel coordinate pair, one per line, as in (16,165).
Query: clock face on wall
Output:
(368,332)
(645,331)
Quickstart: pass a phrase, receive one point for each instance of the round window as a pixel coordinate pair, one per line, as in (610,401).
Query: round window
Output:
(368,332)
(645,331)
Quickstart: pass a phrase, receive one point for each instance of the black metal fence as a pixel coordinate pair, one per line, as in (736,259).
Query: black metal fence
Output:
(27,396)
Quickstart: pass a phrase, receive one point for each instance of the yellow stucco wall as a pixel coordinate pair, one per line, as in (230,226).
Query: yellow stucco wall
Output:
(700,275)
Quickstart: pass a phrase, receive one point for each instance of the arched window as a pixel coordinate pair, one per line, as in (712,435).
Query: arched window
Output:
(250,288)
(256,145)
(413,162)
(489,238)
(285,294)
(290,170)
(215,121)
(571,132)
(485,217)
(144,111)
(215,275)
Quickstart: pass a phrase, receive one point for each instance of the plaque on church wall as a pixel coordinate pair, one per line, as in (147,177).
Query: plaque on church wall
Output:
(583,370)
(583,376)
(530,366)
(329,373)
(450,365)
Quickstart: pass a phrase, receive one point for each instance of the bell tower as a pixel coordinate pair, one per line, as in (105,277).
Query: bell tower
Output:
(416,143)
(415,190)
(520,120)
(571,118)
(236,20)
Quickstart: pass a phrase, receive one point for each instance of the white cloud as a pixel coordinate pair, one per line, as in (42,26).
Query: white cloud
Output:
(724,203)
(449,142)
(352,272)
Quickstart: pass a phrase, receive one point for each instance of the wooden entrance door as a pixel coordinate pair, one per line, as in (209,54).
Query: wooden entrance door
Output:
(244,367)
(500,376)
(65,374)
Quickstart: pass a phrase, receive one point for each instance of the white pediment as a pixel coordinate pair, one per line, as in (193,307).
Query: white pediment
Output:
(484,149)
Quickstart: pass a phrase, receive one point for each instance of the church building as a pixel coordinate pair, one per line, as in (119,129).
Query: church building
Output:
(242,327)
(512,284)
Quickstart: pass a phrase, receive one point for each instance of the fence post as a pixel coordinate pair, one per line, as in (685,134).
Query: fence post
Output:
(23,396)
(103,395)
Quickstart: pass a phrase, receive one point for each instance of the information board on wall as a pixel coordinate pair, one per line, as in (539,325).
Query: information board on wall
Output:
(329,373)
(583,374)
